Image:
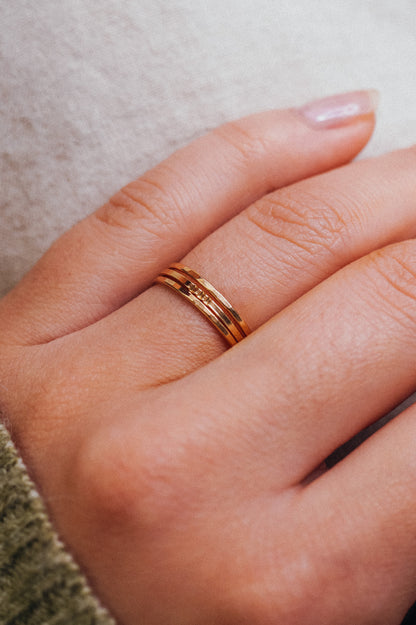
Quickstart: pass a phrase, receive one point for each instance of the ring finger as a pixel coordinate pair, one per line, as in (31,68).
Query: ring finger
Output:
(266,257)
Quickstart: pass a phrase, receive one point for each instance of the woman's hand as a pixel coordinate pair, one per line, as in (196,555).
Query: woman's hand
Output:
(181,474)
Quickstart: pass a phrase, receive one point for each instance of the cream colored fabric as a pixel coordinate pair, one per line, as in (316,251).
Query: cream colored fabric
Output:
(93,92)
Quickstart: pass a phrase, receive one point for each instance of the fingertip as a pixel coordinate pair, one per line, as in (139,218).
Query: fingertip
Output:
(339,110)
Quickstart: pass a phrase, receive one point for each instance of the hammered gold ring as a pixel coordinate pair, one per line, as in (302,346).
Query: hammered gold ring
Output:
(205,297)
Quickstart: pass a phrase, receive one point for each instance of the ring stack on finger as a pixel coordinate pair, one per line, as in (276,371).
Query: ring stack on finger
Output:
(207,300)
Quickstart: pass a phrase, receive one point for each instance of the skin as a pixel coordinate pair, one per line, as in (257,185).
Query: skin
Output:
(182,475)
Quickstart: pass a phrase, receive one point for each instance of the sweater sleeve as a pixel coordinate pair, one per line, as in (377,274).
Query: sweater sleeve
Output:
(40,584)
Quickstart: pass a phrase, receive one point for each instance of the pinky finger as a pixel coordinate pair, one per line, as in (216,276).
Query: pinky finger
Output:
(367,504)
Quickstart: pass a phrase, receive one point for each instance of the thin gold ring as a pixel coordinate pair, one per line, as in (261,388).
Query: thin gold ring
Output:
(205,297)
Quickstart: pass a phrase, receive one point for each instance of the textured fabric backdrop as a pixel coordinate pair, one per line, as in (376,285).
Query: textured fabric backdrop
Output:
(94,92)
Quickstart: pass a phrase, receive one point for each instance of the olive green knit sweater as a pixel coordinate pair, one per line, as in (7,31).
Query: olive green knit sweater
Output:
(39,582)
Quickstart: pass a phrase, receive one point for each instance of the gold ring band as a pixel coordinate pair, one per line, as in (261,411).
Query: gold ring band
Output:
(205,297)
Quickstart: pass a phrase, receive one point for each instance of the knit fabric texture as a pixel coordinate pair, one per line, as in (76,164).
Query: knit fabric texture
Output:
(40,584)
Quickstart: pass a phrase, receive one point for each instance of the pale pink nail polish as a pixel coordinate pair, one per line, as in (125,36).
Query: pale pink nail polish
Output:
(339,110)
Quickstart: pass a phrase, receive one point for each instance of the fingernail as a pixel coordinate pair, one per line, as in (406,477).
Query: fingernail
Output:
(339,110)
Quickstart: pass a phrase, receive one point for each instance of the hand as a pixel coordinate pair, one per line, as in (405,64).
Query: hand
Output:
(183,475)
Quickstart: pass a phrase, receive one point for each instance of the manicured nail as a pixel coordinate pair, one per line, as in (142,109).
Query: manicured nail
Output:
(339,110)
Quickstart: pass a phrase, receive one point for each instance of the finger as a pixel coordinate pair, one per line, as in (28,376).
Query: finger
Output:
(368,502)
(266,257)
(321,370)
(114,254)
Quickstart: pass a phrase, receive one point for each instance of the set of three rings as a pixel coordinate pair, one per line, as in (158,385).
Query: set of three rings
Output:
(207,300)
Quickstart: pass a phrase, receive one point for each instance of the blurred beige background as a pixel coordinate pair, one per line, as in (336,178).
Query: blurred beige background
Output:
(92,93)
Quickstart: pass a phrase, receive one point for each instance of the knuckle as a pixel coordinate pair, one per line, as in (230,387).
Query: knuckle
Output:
(143,204)
(313,225)
(124,481)
(246,145)
(394,268)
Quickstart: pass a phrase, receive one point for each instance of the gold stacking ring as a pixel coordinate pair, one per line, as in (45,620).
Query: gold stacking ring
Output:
(207,300)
